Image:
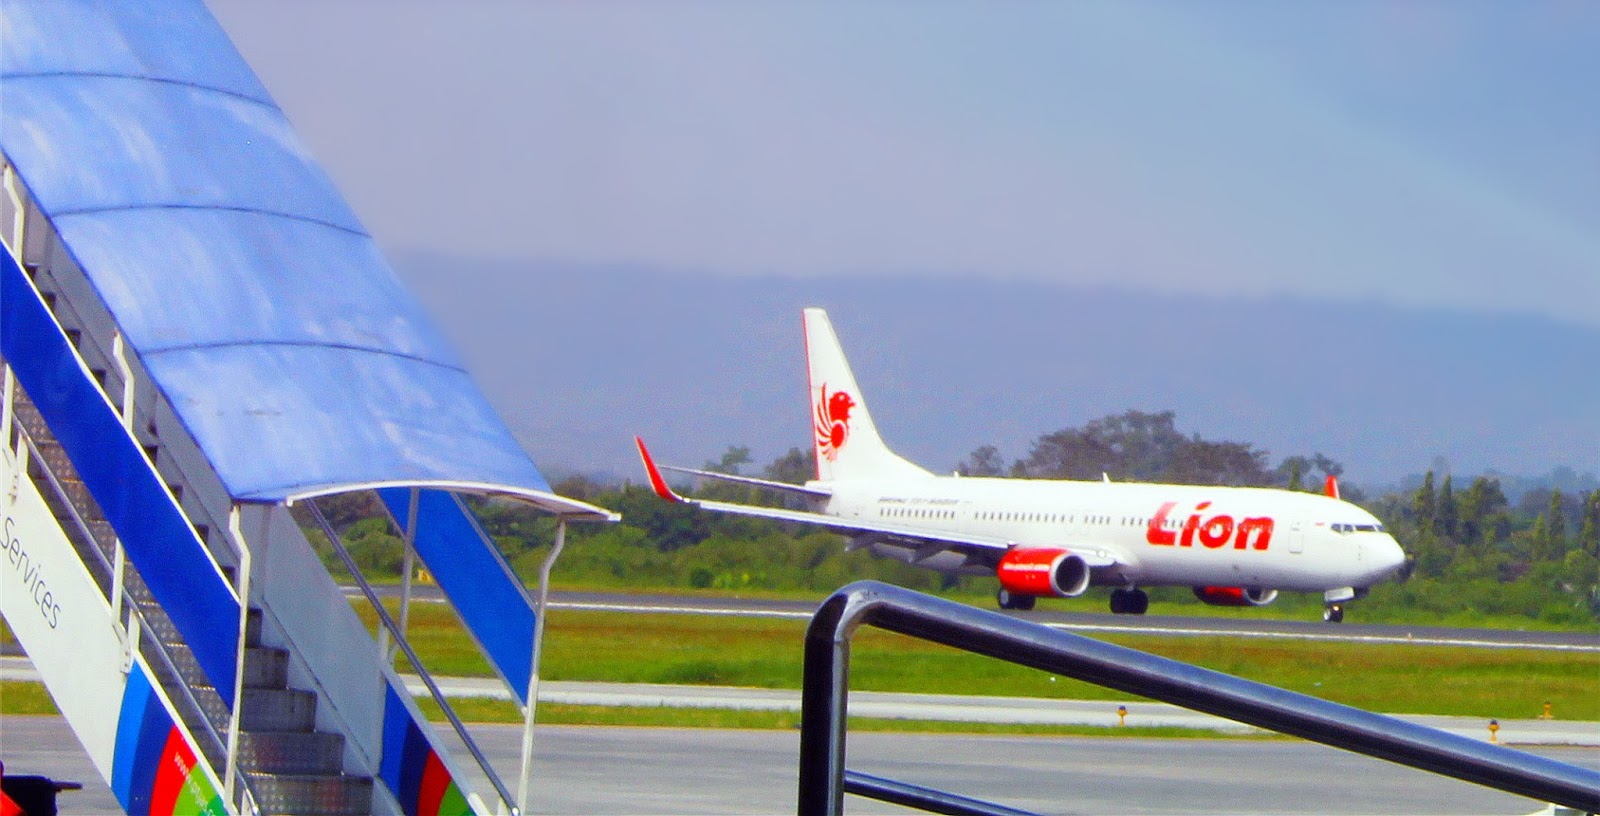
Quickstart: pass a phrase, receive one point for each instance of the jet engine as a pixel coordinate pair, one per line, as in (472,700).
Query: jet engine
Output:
(1236,596)
(1043,572)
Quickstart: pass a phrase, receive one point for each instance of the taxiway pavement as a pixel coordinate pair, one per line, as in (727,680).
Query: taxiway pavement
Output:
(615,770)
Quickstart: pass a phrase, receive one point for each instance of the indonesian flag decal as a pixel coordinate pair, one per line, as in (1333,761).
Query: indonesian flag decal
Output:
(832,422)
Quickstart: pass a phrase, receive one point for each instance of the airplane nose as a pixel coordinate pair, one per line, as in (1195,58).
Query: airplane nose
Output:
(1385,557)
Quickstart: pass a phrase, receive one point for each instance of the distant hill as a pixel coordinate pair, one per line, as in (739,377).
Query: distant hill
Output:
(579,359)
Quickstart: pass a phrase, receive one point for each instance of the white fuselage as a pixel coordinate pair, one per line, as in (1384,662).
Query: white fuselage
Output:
(1159,534)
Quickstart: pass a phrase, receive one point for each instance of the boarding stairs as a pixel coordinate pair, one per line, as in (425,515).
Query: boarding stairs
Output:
(287,765)
(188,599)
(284,764)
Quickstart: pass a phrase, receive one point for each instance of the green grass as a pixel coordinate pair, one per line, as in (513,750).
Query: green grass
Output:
(766,653)
(24,697)
(499,711)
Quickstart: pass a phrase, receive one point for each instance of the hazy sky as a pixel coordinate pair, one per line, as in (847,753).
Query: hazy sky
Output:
(1415,153)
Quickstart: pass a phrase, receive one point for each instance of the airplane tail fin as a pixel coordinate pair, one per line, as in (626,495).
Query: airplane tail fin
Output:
(844,439)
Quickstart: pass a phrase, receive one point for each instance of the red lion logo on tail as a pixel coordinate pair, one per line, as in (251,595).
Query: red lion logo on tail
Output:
(832,422)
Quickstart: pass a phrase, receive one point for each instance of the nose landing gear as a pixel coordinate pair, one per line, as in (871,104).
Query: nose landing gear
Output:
(1333,613)
(1129,602)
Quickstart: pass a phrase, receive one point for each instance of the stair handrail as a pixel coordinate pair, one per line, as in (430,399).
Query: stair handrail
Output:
(536,607)
(131,635)
(231,775)
(825,689)
(404,645)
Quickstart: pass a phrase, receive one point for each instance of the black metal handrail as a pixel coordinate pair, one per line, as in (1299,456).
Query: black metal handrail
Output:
(823,779)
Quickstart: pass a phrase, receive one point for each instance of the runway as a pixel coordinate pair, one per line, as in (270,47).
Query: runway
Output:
(593,770)
(1093,623)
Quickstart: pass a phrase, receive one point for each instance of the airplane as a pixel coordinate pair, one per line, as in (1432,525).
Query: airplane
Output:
(1236,546)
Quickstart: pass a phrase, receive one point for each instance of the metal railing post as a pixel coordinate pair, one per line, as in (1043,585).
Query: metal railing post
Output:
(119,354)
(408,565)
(524,783)
(824,705)
(18,231)
(9,391)
(237,713)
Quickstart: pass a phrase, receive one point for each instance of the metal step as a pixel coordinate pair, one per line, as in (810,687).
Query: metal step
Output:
(76,491)
(292,753)
(264,666)
(313,795)
(103,533)
(264,709)
(51,452)
(162,627)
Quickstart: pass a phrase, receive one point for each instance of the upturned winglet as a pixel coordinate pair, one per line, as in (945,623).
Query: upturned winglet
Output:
(658,484)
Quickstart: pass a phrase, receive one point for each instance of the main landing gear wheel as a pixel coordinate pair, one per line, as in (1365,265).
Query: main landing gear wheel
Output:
(1008,600)
(1333,613)
(1129,601)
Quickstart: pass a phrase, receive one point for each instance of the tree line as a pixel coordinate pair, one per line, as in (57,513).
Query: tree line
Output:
(1474,551)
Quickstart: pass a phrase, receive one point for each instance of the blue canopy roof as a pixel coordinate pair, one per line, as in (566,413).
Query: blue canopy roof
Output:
(250,291)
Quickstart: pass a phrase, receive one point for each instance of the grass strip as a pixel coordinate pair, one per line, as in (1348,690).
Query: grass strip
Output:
(766,653)
(25,697)
(479,710)
(21,697)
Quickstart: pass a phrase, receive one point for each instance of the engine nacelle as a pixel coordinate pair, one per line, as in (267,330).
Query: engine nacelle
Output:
(1043,572)
(1236,596)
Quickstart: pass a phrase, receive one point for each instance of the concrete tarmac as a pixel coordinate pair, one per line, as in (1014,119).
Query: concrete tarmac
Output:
(590,770)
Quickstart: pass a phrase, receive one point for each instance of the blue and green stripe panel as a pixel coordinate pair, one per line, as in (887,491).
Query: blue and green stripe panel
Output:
(154,771)
(411,768)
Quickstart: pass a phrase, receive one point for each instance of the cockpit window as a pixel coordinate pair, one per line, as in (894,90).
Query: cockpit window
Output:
(1358,528)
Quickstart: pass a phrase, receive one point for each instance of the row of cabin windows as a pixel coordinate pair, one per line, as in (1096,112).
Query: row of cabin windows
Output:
(918,512)
(1126,521)
(996,515)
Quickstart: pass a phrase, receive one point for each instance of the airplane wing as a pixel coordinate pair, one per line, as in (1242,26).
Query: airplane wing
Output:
(803,490)
(983,550)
